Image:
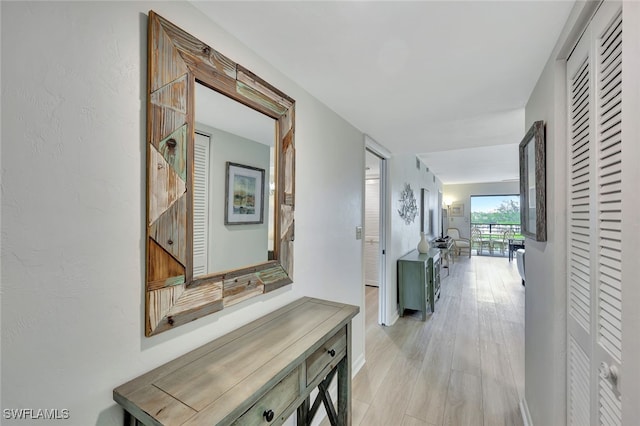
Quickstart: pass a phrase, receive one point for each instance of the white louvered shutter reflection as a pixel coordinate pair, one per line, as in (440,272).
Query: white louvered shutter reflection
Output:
(200,205)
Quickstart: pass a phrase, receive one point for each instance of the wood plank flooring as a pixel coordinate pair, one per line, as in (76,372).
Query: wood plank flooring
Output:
(464,365)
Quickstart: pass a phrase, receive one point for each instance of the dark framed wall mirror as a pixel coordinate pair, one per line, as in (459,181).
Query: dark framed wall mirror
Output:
(533,205)
(187,188)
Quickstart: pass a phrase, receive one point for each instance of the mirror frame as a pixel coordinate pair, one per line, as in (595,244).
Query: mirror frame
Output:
(535,137)
(176,60)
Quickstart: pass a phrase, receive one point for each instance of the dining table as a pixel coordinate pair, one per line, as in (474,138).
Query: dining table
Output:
(514,244)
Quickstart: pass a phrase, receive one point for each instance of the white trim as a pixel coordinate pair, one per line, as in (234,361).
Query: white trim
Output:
(376,147)
(524,411)
(357,365)
(577,22)
(384,154)
(394,317)
(630,248)
(383,239)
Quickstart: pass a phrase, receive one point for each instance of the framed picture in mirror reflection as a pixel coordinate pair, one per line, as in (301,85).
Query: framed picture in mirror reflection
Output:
(244,195)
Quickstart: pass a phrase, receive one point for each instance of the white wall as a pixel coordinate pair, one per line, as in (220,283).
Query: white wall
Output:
(462,193)
(404,237)
(545,323)
(73,202)
(630,387)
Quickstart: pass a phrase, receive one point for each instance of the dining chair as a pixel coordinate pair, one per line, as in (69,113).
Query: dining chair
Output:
(508,238)
(502,244)
(479,242)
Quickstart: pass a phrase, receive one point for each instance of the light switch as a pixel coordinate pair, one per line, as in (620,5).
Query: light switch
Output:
(358,232)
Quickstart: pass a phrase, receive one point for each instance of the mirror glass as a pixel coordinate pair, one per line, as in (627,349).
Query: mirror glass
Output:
(234,188)
(531,184)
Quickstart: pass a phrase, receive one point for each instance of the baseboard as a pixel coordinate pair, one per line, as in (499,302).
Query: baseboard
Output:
(524,411)
(394,317)
(357,365)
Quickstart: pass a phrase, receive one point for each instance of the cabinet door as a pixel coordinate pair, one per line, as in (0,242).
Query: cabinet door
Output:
(412,279)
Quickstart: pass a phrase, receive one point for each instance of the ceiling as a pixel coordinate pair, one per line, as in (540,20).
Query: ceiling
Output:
(445,80)
(220,112)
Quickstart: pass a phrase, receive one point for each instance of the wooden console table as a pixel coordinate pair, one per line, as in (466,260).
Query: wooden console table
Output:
(258,374)
(419,281)
(514,245)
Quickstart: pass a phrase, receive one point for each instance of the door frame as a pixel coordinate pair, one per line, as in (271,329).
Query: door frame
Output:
(383,154)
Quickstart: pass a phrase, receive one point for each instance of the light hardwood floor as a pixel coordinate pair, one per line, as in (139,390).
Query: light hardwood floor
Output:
(464,365)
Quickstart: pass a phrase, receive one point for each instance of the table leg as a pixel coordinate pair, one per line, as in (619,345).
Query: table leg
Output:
(449,261)
(303,412)
(130,420)
(344,385)
(400,289)
(432,293)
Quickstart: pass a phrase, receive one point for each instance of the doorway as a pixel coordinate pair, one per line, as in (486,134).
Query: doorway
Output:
(372,232)
(374,229)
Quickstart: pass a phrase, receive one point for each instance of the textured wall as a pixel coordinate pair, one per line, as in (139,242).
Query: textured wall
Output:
(73,202)
(404,237)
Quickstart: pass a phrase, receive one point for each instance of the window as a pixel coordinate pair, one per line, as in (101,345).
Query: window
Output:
(496,213)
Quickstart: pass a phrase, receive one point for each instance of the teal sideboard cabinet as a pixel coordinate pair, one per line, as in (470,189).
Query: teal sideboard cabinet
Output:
(419,281)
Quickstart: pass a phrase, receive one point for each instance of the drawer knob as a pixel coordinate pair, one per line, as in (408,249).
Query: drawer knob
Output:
(268,415)
(332,352)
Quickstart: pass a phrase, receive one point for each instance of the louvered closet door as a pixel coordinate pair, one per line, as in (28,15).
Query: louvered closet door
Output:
(609,214)
(580,241)
(594,325)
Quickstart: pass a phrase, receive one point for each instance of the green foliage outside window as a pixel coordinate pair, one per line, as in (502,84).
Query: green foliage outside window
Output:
(508,213)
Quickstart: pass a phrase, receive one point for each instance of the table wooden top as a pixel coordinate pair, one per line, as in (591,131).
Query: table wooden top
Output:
(220,380)
(415,255)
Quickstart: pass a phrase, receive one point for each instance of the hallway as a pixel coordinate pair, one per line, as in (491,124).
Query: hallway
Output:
(463,366)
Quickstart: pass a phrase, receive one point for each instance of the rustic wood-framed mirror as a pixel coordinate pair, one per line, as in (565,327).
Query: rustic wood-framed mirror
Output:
(177,62)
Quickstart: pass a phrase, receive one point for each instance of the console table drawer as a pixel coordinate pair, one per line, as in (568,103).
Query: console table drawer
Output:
(273,404)
(332,351)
